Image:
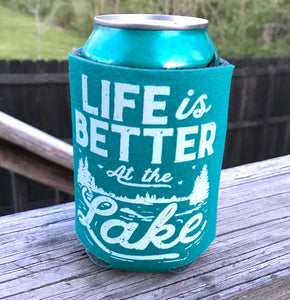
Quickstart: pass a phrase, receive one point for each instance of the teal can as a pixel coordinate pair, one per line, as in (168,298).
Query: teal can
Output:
(151,42)
(149,99)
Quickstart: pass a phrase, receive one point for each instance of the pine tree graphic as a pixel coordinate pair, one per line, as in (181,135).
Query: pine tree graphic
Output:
(84,176)
(201,187)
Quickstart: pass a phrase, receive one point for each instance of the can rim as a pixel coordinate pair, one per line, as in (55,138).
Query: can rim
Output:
(151,22)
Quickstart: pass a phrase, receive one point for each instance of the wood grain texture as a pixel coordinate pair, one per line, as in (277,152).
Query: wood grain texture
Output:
(41,257)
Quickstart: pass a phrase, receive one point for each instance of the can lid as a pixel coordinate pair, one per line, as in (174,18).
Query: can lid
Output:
(151,22)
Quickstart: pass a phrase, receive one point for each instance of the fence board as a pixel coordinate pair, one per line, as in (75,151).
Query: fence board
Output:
(34,78)
(19,192)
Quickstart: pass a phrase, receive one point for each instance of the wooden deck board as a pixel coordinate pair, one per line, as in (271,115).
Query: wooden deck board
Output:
(41,257)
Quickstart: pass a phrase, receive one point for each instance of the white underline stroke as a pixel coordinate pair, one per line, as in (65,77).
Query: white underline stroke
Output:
(130,257)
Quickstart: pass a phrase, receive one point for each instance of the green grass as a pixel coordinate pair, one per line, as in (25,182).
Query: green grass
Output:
(18,38)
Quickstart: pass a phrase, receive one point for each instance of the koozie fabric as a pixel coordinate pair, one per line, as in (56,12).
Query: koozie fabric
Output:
(148,149)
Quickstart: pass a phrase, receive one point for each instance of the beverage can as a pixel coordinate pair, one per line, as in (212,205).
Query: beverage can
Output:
(151,41)
(149,97)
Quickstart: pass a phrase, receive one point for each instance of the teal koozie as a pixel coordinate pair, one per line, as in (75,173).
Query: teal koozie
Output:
(148,150)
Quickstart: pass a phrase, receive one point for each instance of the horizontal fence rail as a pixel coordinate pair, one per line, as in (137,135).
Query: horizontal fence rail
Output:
(37,93)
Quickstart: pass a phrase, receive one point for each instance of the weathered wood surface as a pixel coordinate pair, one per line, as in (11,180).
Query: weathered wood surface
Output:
(41,257)
(30,152)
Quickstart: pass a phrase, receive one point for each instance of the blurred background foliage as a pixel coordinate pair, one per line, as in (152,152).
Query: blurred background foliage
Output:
(35,29)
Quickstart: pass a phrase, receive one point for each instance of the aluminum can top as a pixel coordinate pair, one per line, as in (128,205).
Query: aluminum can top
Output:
(151,42)
(151,22)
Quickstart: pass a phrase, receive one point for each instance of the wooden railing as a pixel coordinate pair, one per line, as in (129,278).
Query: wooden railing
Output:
(32,153)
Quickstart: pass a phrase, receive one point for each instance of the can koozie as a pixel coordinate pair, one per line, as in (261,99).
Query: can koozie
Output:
(148,150)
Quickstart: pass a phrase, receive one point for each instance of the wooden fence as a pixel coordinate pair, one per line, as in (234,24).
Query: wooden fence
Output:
(38,94)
